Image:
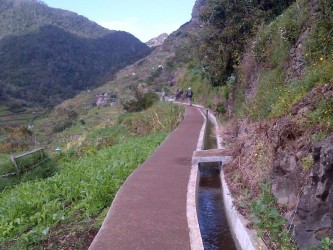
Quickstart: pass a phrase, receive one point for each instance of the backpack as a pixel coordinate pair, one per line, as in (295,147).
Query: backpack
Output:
(190,93)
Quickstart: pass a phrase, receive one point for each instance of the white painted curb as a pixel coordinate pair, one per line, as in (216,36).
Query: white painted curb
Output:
(191,201)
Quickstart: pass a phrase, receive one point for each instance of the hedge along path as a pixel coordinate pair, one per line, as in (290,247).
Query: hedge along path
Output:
(149,211)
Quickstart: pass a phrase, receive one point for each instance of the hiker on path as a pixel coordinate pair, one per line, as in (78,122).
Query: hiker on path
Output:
(163,95)
(177,94)
(189,95)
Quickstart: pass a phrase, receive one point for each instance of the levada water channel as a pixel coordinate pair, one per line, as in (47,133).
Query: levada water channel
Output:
(213,223)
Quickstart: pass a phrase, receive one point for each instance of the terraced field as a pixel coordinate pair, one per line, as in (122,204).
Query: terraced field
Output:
(17,118)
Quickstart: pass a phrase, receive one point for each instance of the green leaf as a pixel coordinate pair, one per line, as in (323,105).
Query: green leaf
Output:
(273,213)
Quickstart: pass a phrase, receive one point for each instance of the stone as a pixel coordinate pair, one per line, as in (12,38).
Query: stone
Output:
(315,210)
(284,189)
(285,161)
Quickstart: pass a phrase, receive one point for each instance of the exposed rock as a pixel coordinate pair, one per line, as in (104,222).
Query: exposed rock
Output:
(157,41)
(284,189)
(198,7)
(282,131)
(284,184)
(315,210)
(297,62)
(308,103)
(286,161)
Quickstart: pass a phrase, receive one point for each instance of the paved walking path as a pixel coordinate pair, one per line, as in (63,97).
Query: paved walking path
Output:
(149,211)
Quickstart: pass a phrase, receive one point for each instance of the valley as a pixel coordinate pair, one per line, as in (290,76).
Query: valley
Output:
(264,68)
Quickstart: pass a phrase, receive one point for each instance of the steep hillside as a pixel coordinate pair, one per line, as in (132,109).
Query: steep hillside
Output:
(269,67)
(49,55)
(24,16)
(161,69)
(266,69)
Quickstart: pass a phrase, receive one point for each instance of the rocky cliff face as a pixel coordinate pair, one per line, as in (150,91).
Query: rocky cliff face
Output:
(157,41)
(198,7)
(300,171)
(314,217)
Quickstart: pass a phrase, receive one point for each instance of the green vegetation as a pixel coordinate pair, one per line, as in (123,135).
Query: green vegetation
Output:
(325,244)
(86,186)
(162,117)
(243,63)
(141,101)
(44,170)
(89,173)
(275,98)
(268,221)
(265,62)
(49,55)
(307,163)
(319,46)
(15,139)
(34,166)
(19,16)
(231,24)
(5,164)
(215,98)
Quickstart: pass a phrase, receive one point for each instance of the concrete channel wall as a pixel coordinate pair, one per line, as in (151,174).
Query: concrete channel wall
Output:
(191,203)
(244,238)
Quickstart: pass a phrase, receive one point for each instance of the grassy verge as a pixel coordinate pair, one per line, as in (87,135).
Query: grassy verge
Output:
(90,173)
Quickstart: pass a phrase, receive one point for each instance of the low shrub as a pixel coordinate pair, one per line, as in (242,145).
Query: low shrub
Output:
(141,101)
(268,221)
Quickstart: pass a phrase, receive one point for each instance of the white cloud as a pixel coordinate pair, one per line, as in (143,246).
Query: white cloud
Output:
(139,30)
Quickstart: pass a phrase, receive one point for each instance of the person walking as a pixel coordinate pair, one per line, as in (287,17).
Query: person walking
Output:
(189,95)
(177,94)
(163,95)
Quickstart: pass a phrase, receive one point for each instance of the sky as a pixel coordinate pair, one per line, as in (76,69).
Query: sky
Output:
(145,19)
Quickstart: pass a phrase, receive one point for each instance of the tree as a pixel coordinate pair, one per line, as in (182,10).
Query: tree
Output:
(228,26)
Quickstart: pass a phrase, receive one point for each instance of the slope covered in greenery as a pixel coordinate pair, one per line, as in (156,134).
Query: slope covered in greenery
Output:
(267,68)
(49,55)
(89,172)
(24,16)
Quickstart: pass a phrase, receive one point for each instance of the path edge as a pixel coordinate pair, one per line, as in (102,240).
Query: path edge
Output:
(191,201)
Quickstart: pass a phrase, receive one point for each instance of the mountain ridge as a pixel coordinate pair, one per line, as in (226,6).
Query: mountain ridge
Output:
(23,16)
(49,55)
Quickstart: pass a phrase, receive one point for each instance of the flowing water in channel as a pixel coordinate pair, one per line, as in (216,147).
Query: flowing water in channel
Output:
(213,223)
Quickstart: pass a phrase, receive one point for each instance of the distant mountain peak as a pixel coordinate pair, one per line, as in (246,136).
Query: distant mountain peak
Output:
(157,40)
(197,8)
